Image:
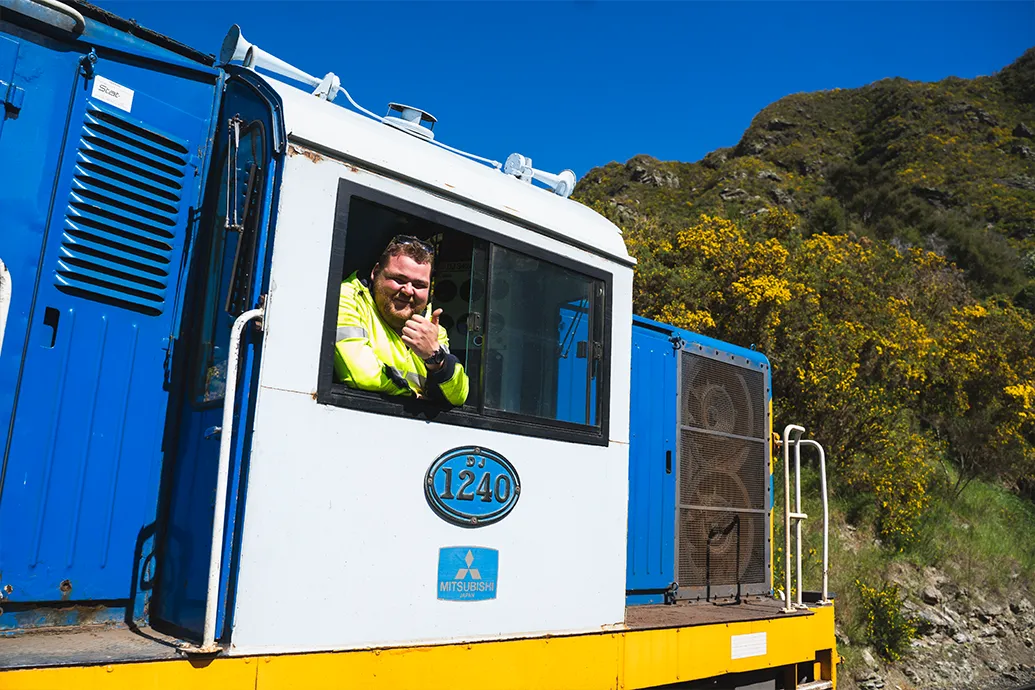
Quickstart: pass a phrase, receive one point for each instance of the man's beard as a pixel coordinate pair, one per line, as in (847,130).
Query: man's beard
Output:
(395,315)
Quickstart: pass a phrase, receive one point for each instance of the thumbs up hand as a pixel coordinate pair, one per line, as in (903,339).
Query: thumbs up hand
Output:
(421,334)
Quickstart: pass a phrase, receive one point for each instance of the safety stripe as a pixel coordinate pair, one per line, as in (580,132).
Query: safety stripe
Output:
(344,332)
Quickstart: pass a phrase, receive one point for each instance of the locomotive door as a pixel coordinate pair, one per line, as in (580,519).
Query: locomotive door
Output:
(227,279)
(83,460)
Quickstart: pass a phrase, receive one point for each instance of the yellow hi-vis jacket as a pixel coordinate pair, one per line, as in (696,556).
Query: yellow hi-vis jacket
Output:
(369,355)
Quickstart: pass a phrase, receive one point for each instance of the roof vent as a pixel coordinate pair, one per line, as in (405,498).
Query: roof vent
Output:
(410,120)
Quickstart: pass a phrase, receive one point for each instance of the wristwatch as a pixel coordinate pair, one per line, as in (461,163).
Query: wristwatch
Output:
(436,359)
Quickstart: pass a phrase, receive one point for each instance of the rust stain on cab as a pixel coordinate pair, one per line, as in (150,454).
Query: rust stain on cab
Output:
(299,151)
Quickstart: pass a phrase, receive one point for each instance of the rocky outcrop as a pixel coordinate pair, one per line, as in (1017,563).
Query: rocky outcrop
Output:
(964,639)
(648,171)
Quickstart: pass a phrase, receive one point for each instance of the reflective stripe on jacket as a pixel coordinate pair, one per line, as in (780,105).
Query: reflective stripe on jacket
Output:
(371,356)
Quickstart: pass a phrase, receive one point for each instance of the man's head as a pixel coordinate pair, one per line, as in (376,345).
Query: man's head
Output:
(401,280)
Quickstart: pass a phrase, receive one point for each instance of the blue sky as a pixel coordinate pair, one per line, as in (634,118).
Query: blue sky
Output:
(576,85)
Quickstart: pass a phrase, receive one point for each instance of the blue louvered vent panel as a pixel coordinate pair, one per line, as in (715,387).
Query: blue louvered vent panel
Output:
(122,215)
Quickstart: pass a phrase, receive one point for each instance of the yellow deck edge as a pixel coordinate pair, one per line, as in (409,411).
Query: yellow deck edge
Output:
(619,660)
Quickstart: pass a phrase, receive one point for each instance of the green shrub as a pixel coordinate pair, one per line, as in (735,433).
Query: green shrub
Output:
(887,628)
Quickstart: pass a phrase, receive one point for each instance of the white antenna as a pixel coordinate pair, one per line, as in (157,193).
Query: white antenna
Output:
(237,48)
(562,184)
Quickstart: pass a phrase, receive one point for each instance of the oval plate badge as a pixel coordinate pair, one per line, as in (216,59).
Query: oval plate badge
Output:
(472,486)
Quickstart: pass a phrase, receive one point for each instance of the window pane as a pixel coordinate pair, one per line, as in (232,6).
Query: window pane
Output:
(459,290)
(229,260)
(542,340)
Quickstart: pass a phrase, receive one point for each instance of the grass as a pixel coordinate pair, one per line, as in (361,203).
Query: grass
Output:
(983,539)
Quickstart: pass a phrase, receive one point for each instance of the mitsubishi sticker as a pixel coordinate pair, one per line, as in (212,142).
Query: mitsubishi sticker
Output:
(467,573)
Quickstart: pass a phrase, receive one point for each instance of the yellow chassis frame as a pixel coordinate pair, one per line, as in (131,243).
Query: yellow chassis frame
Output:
(614,659)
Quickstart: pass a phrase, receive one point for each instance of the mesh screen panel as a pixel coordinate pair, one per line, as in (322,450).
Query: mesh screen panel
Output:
(694,528)
(721,476)
(722,397)
(721,472)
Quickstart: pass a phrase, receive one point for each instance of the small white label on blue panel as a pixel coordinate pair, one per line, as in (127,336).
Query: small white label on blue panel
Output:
(113,94)
(743,646)
(467,573)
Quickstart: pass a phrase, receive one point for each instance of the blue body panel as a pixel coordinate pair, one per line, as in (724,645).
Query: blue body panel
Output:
(98,203)
(650,562)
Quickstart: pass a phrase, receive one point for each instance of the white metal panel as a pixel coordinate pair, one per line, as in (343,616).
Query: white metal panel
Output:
(338,129)
(340,549)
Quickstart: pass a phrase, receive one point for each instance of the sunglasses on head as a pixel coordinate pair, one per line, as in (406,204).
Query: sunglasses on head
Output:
(415,241)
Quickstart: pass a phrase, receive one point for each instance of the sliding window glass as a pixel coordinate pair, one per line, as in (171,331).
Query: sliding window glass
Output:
(543,342)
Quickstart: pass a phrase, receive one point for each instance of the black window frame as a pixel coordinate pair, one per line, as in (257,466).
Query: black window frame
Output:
(329,392)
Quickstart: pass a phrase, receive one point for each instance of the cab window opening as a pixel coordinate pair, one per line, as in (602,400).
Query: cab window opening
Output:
(527,327)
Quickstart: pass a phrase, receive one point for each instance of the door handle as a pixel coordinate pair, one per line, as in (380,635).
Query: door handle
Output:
(51,316)
(668,462)
(213,432)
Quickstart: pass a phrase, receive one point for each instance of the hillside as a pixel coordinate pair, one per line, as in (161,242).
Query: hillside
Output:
(948,166)
(878,244)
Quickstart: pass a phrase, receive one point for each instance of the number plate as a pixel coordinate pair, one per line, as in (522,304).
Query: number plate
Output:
(472,486)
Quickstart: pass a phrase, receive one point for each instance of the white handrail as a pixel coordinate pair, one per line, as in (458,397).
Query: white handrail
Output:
(215,563)
(826,514)
(798,516)
(787,431)
(5,300)
(70,12)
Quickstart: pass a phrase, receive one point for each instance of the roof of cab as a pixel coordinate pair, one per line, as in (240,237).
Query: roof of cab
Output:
(312,121)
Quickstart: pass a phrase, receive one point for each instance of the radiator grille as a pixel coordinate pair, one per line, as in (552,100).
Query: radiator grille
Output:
(696,525)
(122,214)
(723,472)
(721,397)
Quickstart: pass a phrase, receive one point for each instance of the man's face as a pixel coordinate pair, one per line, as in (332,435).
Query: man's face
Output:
(400,289)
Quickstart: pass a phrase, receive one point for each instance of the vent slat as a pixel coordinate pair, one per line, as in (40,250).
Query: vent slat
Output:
(96,239)
(108,186)
(163,138)
(126,165)
(134,182)
(84,274)
(85,221)
(144,148)
(128,212)
(90,259)
(104,293)
(116,147)
(123,213)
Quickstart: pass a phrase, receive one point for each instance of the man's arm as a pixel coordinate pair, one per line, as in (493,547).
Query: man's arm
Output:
(450,381)
(355,362)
